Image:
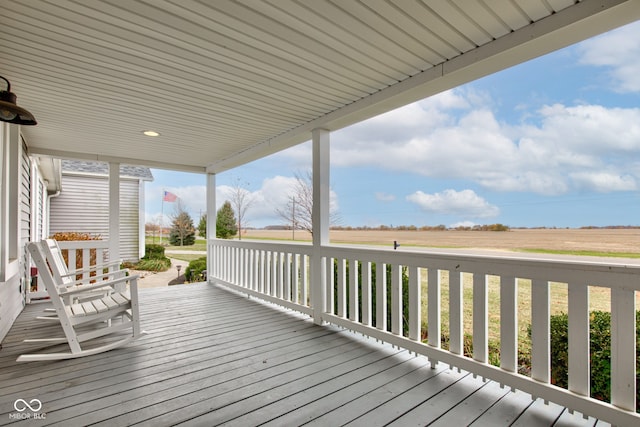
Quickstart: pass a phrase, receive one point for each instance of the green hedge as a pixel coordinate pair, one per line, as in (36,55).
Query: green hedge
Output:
(153,259)
(600,346)
(195,268)
(154,252)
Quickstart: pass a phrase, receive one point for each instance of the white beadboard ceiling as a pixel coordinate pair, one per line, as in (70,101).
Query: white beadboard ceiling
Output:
(228,81)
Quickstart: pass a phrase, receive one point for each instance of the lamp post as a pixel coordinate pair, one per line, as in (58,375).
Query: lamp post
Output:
(178,267)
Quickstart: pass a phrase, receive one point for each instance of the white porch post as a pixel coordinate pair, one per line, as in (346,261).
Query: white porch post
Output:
(141,220)
(114,212)
(211,220)
(320,221)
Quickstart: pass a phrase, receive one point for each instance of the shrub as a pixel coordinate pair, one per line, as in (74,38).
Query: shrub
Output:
(600,353)
(154,259)
(156,264)
(153,252)
(182,231)
(195,268)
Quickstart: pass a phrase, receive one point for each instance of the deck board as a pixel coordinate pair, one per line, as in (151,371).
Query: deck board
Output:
(504,411)
(351,410)
(445,401)
(473,406)
(332,405)
(213,356)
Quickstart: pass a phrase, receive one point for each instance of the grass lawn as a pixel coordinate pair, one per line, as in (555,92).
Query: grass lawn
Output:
(584,253)
(200,244)
(185,257)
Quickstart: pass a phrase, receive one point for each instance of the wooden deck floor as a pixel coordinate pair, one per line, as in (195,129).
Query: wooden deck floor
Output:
(214,357)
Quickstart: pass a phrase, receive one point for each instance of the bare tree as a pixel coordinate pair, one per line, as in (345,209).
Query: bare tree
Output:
(153,226)
(299,208)
(241,199)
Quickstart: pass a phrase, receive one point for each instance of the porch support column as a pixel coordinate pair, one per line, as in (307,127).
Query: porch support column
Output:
(320,221)
(211,221)
(114,212)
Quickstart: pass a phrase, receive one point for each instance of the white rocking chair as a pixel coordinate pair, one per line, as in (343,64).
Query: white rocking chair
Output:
(83,319)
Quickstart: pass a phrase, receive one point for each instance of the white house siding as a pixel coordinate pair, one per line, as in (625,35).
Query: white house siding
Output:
(25,212)
(15,215)
(129,220)
(83,206)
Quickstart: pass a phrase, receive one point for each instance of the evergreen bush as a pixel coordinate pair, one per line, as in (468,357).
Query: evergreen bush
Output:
(182,233)
(226,224)
(154,259)
(195,268)
(152,251)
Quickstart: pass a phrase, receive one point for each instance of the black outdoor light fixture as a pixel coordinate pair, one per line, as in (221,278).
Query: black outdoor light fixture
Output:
(10,112)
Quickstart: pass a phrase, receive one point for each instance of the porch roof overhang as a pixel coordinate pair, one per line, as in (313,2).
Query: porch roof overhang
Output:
(228,82)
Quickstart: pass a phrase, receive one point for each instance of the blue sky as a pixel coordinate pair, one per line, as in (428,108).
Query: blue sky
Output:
(554,142)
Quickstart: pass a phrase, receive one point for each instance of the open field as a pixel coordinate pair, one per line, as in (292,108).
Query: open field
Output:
(623,241)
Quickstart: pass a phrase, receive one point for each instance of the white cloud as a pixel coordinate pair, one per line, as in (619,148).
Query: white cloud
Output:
(360,144)
(590,129)
(605,182)
(193,198)
(465,203)
(618,50)
(550,155)
(273,194)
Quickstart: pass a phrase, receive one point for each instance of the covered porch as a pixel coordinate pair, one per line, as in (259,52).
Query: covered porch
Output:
(243,80)
(214,356)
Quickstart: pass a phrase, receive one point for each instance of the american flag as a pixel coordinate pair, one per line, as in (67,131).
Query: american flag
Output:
(169,197)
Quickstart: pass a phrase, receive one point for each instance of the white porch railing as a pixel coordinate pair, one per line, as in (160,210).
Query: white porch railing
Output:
(274,272)
(280,273)
(80,249)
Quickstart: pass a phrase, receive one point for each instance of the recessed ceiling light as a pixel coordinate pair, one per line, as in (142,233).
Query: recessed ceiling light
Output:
(151,133)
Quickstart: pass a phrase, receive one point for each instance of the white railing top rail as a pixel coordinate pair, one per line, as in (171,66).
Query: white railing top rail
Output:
(275,246)
(615,272)
(83,244)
